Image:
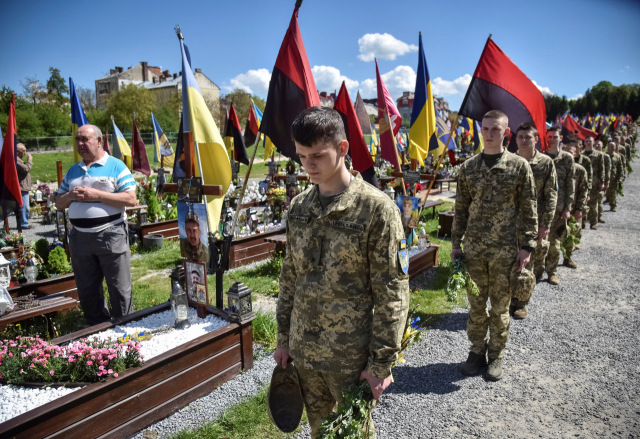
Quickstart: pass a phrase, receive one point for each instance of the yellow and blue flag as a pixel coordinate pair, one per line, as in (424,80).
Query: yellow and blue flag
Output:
(161,145)
(478,140)
(423,131)
(78,118)
(121,149)
(213,161)
(442,136)
(374,140)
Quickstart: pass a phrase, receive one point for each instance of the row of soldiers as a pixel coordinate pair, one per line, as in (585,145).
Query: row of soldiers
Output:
(516,211)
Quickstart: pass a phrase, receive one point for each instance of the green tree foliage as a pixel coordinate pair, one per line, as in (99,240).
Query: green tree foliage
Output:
(241,101)
(167,119)
(57,88)
(53,121)
(130,98)
(100,118)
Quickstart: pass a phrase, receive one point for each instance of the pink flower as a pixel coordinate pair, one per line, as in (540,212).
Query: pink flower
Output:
(11,354)
(110,371)
(51,372)
(32,366)
(101,368)
(115,374)
(89,363)
(21,371)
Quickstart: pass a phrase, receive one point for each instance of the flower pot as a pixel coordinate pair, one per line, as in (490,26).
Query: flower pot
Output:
(151,241)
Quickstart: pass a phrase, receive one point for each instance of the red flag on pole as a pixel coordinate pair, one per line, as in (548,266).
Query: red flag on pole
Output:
(389,120)
(140,160)
(10,185)
(358,150)
(571,126)
(233,130)
(105,144)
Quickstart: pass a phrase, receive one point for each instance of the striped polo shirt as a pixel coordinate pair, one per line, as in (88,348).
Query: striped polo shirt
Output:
(107,174)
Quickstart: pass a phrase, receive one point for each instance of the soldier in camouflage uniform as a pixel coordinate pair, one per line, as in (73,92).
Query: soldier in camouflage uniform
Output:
(597,180)
(585,162)
(622,153)
(191,247)
(564,170)
(344,293)
(607,174)
(616,175)
(582,192)
(495,214)
(544,175)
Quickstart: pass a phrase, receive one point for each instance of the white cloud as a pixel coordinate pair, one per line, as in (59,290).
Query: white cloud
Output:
(383,46)
(253,82)
(578,96)
(329,79)
(546,91)
(442,87)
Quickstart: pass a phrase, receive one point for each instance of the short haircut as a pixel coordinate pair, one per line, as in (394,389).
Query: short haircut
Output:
(19,145)
(196,272)
(318,124)
(496,114)
(528,126)
(555,128)
(589,137)
(611,143)
(96,131)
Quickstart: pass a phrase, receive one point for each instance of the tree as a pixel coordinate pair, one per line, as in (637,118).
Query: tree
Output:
(167,119)
(130,98)
(57,87)
(53,121)
(87,98)
(32,90)
(241,101)
(100,118)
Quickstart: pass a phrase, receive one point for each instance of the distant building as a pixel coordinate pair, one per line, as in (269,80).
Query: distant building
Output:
(162,83)
(327,100)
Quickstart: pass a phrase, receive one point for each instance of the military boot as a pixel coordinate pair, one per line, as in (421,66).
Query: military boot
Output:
(473,363)
(613,209)
(513,306)
(600,220)
(569,263)
(554,280)
(594,226)
(494,371)
(520,313)
(538,274)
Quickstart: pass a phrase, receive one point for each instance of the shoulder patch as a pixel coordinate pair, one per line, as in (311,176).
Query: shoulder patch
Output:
(403,256)
(299,218)
(347,225)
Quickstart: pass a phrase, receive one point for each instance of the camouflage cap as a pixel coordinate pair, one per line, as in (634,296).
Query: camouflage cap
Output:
(284,399)
(522,283)
(191,216)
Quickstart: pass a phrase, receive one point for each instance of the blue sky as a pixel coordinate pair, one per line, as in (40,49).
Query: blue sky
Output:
(565,46)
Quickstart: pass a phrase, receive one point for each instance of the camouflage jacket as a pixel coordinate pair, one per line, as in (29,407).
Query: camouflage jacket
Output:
(597,168)
(544,175)
(343,298)
(199,253)
(616,168)
(566,189)
(495,208)
(622,152)
(585,162)
(582,187)
(606,158)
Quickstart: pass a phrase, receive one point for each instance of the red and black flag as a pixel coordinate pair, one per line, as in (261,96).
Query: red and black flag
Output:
(291,90)
(498,84)
(252,126)
(360,157)
(233,130)
(140,160)
(10,185)
(571,128)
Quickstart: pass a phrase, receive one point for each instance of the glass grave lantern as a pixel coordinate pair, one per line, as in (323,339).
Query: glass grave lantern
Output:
(239,297)
(267,215)
(179,306)
(38,195)
(252,220)
(30,270)
(143,217)
(5,272)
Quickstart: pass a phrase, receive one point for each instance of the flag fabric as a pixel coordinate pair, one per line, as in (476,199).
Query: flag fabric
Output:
(389,120)
(442,137)
(121,148)
(374,140)
(498,84)
(10,185)
(254,119)
(292,89)
(179,165)
(478,140)
(139,159)
(78,118)
(228,141)
(569,126)
(213,164)
(268,146)
(161,145)
(360,156)
(364,121)
(105,144)
(233,131)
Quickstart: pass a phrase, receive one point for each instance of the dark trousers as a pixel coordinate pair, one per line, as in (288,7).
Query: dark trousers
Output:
(97,256)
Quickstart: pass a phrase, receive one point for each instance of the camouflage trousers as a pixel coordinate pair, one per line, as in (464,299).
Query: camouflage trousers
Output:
(595,198)
(612,195)
(492,276)
(322,392)
(557,233)
(536,264)
(600,204)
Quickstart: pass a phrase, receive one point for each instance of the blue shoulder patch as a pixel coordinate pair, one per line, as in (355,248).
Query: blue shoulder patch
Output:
(403,256)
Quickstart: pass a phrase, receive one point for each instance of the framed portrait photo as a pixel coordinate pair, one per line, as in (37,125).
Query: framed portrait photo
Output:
(195,274)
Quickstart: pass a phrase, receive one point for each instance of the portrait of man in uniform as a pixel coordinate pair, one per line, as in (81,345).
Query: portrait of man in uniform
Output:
(195,279)
(192,222)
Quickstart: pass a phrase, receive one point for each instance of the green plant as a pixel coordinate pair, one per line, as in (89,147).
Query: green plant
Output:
(58,262)
(571,240)
(42,249)
(620,189)
(459,280)
(265,329)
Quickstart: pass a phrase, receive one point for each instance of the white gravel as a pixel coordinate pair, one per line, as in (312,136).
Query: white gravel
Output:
(15,400)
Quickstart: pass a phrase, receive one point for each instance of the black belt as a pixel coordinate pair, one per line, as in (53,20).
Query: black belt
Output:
(88,223)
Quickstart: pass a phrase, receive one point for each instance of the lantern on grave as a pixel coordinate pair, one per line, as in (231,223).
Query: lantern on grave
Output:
(38,195)
(5,273)
(267,215)
(179,306)
(240,301)
(30,270)
(143,217)
(390,192)
(252,220)
(228,223)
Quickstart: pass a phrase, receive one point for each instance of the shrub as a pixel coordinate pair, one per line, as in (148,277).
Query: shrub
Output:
(42,249)
(58,262)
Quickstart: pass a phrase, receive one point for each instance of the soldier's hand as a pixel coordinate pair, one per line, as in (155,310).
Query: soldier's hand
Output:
(281,355)
(542,233)
(454,253)
(606,187)
(522,259)
(577,214)
(602,187)
(566,214)
(378,385)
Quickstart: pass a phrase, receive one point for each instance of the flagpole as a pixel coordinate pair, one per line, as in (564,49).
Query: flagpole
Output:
(244,184)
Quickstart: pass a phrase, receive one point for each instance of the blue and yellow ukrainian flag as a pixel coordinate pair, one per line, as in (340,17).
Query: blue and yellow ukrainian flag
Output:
(478,140)
(160,144)
(121,149)
(442,136)
(374,140)
(78,118)
(422,134)
(467,124)
(209,147)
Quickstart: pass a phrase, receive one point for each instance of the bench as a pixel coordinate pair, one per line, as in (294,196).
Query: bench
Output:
(433,204)
(48,306)
(279,240)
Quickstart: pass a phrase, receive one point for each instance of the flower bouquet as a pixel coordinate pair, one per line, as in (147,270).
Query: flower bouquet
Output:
(15,238)
(459,281)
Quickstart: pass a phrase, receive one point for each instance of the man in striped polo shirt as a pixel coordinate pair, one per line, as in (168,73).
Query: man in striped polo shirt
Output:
(97,190)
